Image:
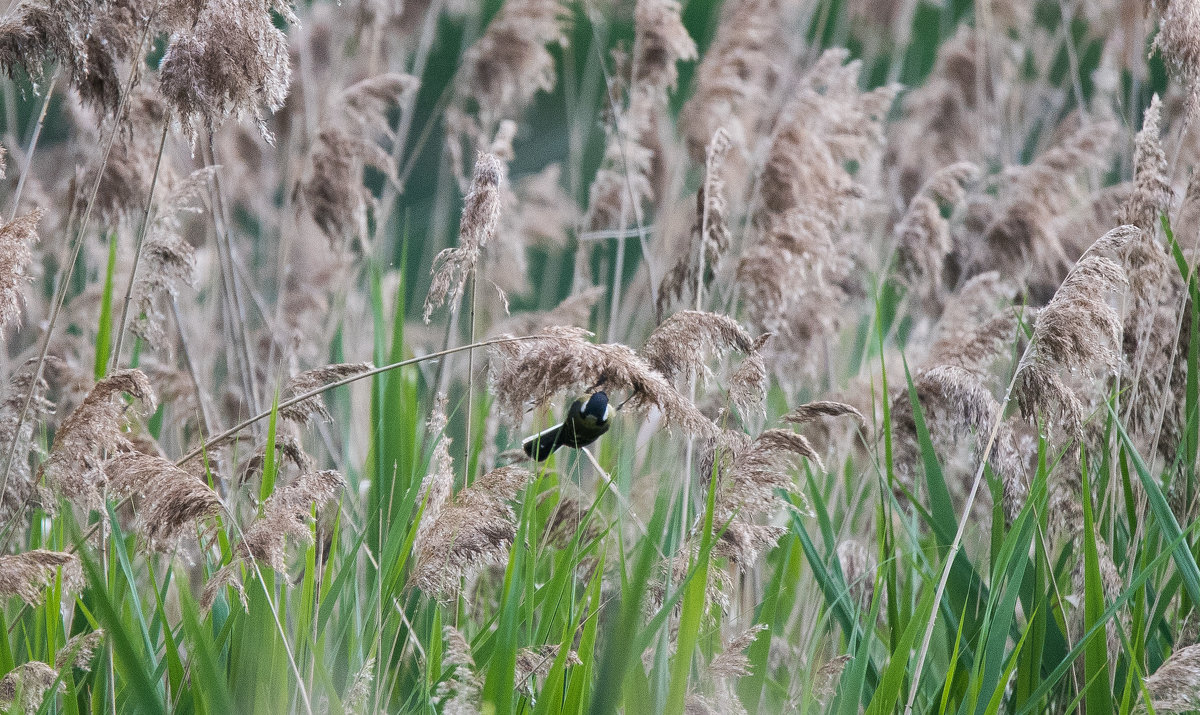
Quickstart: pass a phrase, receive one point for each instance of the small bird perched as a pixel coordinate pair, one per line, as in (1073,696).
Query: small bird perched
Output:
(584,424)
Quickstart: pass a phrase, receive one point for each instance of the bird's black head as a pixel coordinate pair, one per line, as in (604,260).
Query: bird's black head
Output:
(597,405)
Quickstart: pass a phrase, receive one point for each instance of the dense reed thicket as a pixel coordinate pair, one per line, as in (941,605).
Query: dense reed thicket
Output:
(894,304)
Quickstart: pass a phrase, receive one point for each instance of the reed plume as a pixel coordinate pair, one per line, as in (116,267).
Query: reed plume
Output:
(16,258)
(230,63)
(1175,686)
(533,371)
(475,529)
(334,192)
(480,219)
(287,513)
(510,63)
(29,574)
(172,501)
(74,467)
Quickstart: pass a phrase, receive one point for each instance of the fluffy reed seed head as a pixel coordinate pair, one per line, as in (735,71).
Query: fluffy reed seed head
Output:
(79,650)
(757,470)
(309,380)
(1077,331)
(1178,30)
(286,513)
(660,42)
(460,693)
(732,661)
(334,192)
(173,501)
(535,370)
(472,531)
(29,574)
(923,240)
(73,468)
(228,64)
(16,258)
(1175,686)
(1152,192)
(736,77)
(509,64)
(710,236)
(21,486)
(30,682)
(480,218)
(168,260)
(678,346)
(534,664)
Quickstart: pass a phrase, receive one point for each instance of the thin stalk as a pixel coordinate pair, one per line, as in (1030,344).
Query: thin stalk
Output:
(33,140)
(467,473)
(284,404)
(230,281)
(137,249)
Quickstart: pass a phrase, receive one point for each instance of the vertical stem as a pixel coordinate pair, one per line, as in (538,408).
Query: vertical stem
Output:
(33,140)
(618,273)
(467,473)
(236,312)
(137,249)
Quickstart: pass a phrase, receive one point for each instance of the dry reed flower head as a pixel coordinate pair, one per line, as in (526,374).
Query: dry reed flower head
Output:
(736,77)
(858,566)
(334,192)
(623,184)
(677,348)
(812,411)
(229,63)
(30,681)
(168,260)
(20,486)
(74,466)
(16,258)
(660,41)
(460,692)
(732,661)
(509,64)
(29,574)
(438,486)
(941,121)
(1178,30)
(534,664)
(743,542)
(1077,331)
(758,471)
(309,380)
(480,219)
(1021,236)
(475,529)
(122,179)
(1175,686)
(79,650)
(173,501)
(923,240)
(1152,194)
(84,37)
(535,370)
(795,278)
(286,513)
(710,238)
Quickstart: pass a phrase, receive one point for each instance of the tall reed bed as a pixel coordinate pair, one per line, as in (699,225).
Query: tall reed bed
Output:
(894,301)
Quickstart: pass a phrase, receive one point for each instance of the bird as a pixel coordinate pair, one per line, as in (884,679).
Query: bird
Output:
(585,423)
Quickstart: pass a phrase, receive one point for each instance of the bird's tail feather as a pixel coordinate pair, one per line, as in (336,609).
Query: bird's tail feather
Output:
(541,445)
